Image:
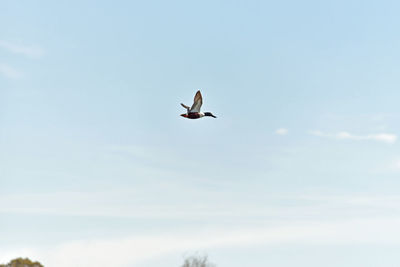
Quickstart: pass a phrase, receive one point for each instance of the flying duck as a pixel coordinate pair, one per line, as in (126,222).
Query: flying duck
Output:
(194,111)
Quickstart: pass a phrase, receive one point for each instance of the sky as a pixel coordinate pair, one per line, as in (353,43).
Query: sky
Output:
(301,167)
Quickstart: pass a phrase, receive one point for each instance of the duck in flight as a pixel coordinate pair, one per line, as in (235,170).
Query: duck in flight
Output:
(194,111)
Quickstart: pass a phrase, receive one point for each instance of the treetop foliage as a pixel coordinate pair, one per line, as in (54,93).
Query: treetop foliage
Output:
(197,261)
(20,262)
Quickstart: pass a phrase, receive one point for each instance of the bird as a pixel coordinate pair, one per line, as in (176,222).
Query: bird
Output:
(193,112)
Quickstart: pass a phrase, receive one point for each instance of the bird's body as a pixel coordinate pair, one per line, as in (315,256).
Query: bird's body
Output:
(193,115)
(193,112)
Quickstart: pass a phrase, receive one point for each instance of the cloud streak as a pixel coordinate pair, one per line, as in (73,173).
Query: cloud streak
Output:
(28,51)
(137,249)
(281,131)
(134,204)
(381,137)
(300,219)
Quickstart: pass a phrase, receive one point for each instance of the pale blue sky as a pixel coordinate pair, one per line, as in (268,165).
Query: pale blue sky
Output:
(301,167)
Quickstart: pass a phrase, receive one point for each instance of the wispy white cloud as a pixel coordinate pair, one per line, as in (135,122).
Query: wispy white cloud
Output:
(9,71)
(29,51)
(381,137)
(299,219)
(282,131)
(147,247)
(136,249)
(136,204)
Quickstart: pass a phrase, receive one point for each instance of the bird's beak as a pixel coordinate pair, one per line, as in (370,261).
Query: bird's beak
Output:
(213,116)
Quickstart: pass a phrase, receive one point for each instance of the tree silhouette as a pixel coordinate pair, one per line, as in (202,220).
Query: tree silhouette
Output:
(20,262)
(197,261)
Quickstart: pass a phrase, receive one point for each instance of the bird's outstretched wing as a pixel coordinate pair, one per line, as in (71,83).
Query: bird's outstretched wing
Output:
(198,101)
(183,105)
